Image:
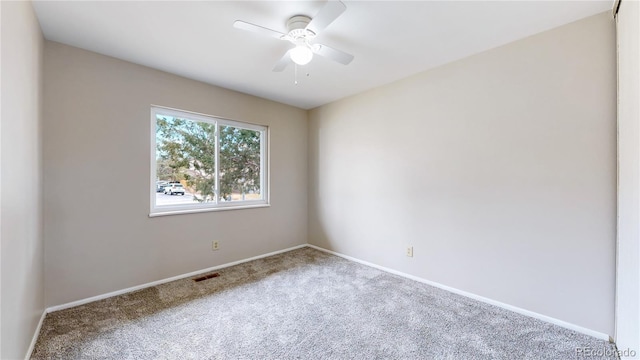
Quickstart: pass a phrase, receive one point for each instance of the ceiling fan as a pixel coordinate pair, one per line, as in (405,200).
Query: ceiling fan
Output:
(301,32)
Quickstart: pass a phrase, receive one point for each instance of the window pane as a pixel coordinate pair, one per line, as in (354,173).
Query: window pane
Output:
(239,164)
(201,163)
(185,161)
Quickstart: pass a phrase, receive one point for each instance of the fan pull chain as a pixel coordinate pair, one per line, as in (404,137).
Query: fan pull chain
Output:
(295,74)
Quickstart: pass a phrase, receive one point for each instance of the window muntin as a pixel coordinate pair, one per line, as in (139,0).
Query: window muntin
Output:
(220,163)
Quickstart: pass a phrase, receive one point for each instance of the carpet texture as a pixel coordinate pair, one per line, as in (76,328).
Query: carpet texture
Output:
(303,304)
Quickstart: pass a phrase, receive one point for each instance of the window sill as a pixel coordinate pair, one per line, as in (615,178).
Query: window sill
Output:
(200,210)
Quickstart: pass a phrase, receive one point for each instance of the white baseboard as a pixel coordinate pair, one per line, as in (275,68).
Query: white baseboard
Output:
(515,309)
(35,336)
(163,281)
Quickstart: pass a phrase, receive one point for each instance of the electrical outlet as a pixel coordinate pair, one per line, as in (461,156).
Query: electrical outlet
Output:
(215,246)
(410,251)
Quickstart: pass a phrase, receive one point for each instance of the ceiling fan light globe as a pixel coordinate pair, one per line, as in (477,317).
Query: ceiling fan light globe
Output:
(301,55)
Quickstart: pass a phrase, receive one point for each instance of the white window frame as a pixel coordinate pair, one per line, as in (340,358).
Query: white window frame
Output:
(217,205)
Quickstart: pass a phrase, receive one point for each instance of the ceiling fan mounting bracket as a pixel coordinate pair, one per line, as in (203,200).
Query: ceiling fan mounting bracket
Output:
(298,22)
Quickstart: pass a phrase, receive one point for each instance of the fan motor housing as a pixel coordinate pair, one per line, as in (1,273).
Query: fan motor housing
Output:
(296,25)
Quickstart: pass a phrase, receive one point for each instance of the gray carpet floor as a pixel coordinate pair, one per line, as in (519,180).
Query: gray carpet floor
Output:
(303,304)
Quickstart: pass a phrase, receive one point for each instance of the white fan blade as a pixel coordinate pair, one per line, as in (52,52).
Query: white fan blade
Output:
(333,54)
(282,63)
(327,14)
(239,24)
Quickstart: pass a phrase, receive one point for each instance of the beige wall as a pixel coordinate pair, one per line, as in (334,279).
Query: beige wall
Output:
(21,179)
(499,169)
(628,255)
(96,171)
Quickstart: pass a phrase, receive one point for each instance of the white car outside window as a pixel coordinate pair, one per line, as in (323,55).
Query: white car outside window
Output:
(174,189)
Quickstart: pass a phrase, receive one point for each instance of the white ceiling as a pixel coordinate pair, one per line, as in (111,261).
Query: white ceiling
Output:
(389,39)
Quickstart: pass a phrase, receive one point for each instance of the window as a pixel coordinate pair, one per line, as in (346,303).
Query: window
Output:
(204,163)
